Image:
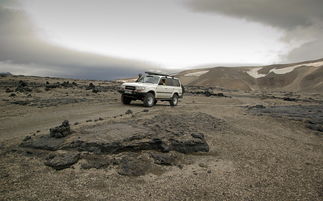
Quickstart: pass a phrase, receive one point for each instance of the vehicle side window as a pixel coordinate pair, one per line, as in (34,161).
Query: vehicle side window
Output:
(176,83)
(169,82)
(162,81)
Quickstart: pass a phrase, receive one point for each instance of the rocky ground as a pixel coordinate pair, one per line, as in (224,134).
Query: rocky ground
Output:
(73,140)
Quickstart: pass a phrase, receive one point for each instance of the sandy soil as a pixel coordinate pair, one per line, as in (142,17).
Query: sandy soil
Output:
(251,157)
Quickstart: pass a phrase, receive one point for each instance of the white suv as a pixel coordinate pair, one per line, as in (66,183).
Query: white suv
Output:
(152,87)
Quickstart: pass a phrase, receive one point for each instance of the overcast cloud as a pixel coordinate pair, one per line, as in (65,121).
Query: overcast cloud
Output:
(95,39)
(302,20)
(22,51)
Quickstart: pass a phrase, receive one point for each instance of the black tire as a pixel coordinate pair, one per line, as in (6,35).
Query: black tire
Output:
(174,100)
(125,100)
(149,100)
(155,102)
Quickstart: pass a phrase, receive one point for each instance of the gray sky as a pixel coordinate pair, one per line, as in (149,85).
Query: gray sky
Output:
(115,38)
(301,21)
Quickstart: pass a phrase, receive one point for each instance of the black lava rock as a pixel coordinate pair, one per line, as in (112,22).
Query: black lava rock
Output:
(42,142)
(90,87)
(62,161)
(95,90)
(27,138)
(23,87)
(129,112)
(190,146)
(289,99)
(8,90)
(198,135)
(163,159)
(60,131)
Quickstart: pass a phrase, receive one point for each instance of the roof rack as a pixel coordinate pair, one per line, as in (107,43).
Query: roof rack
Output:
(154,73)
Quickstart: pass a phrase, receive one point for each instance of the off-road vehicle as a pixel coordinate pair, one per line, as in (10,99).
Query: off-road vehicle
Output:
(152,87)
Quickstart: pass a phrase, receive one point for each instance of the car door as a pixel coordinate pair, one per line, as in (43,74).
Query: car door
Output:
(162,89)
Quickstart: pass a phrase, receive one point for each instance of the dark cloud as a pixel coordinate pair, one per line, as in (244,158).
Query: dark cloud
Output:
(22,48)
(286,14)
(300,19)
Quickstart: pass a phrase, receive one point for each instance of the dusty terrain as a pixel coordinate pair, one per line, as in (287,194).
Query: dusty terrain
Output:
(216,144)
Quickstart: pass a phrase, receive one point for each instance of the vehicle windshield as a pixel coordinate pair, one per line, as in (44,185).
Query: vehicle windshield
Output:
(149,79)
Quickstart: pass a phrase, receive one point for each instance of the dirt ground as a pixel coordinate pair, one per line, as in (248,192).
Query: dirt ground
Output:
(251,156)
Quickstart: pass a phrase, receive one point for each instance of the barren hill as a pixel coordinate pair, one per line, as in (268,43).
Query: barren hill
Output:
(305,76)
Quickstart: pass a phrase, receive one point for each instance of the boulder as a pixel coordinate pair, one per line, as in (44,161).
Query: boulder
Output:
(129,112)
(67,84)
(163,159)
(90,87)
(23,87)
(95,90)
(62,161)
(60,131)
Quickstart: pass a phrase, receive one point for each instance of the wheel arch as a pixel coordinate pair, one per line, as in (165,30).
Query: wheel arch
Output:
(153,92)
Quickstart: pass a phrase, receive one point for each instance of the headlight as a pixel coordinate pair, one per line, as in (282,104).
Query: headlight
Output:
(140,88)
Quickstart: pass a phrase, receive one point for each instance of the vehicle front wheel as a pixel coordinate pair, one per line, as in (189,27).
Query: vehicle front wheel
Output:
(174,100)
(125,100)
(149,100)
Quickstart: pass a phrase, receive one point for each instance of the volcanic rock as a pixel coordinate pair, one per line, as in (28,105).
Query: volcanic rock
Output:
(95,90)
(60,131)
(95,161)
(310,114)
(189,146)
(129,112)
(163,158)
(23,87)
(8,90)
(43,142)
(62,161)
(133,165)
(90,87)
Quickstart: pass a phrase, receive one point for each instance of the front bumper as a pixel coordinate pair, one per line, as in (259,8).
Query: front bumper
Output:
(133,94)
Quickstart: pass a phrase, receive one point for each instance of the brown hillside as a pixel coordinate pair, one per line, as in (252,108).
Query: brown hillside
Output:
(304,76)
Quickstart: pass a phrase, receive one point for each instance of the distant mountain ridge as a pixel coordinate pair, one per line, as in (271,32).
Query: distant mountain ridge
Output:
(3,74)
(305,76)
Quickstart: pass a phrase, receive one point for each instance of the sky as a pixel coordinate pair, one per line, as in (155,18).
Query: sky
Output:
(109,39)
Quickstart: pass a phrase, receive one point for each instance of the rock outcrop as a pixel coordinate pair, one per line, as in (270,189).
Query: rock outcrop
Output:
(60,131)
(62,161)
(162,136)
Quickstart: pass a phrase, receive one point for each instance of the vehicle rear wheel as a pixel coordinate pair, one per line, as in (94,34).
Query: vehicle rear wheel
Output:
(149,100)
(125,100)
(174,100)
